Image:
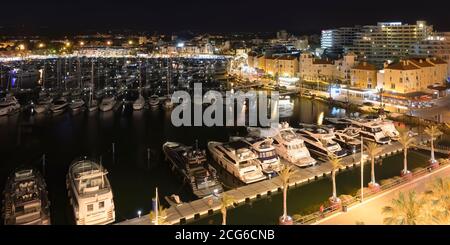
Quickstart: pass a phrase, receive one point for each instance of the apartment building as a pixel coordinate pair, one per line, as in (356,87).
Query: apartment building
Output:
(435,45)
(364,76)
(414,75)
(389,41)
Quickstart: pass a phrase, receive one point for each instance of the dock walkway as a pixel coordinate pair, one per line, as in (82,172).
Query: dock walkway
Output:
(199,208)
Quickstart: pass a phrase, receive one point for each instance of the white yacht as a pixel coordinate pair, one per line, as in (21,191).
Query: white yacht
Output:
(238,159)
(90,193)
(139,103)
(267,155)
(107,103)
(320,141)
(387,126)
(288,144)
(348,140)
(371,130)
(9,105)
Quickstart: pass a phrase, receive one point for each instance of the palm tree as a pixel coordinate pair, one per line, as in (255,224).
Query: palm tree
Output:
(406,141)
(335,165)
(433,132)
(372,150)
(285,174)
(405,210)
(225,201)
(162,215)
(438,194)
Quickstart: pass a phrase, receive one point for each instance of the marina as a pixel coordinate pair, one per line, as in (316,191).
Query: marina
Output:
(194,210)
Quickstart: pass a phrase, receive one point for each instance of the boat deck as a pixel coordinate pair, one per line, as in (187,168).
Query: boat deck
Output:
(199,208)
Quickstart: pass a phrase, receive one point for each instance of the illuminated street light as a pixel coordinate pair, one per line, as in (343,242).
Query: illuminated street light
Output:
(41,45)
(21,46)
(108,43)
(81,43)
(130,42)
(139,212)
(67,44)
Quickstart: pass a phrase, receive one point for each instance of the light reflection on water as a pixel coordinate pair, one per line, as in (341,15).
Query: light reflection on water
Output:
(135,133)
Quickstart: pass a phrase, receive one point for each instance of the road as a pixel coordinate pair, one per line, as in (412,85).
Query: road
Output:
(369,212)
(442,107)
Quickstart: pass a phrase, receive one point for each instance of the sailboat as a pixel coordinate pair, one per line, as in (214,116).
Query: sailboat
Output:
(92,105)
(140,101)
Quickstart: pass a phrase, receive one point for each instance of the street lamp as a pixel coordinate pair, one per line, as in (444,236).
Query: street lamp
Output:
(139,212)
(109,43)
(81,43)
(41,45)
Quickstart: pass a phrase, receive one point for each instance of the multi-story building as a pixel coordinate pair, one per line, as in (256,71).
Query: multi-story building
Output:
(389,41)
(364,76)
(315,69)
(414,75)
(335,42)
(344,66)
(435,45)
(276,65)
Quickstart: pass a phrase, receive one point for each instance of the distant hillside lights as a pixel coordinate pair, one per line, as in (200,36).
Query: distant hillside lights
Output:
(256,103)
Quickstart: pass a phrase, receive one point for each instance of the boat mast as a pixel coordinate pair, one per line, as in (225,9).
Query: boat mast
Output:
(91,96)
(169,76)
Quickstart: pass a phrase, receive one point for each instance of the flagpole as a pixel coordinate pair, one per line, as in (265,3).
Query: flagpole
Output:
(362,169)
(157,207)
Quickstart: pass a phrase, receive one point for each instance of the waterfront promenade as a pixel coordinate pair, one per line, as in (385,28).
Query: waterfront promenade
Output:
(369,211)
(199,208)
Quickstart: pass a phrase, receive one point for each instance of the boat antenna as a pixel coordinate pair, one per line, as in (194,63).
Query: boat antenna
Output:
(196,144)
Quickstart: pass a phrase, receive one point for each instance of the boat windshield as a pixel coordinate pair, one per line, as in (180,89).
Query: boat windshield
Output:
(267,154)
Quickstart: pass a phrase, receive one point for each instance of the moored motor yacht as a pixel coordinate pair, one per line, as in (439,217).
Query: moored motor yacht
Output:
(267,155)
(192,164)
(320,141)
(90,193)
(238,159)
(287,143)
(25,199)
(371,130)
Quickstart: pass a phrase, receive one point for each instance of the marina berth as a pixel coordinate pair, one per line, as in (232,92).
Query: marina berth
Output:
(90,193)
(192,164)
(238,159)
(25,199)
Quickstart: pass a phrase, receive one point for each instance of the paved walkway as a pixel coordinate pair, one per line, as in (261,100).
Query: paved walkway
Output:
(202,207)
(369,212)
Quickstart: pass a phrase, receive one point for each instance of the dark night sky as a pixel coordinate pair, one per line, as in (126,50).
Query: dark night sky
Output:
(221,16)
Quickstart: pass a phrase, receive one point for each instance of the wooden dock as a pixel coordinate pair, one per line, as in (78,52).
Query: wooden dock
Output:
(200,208)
